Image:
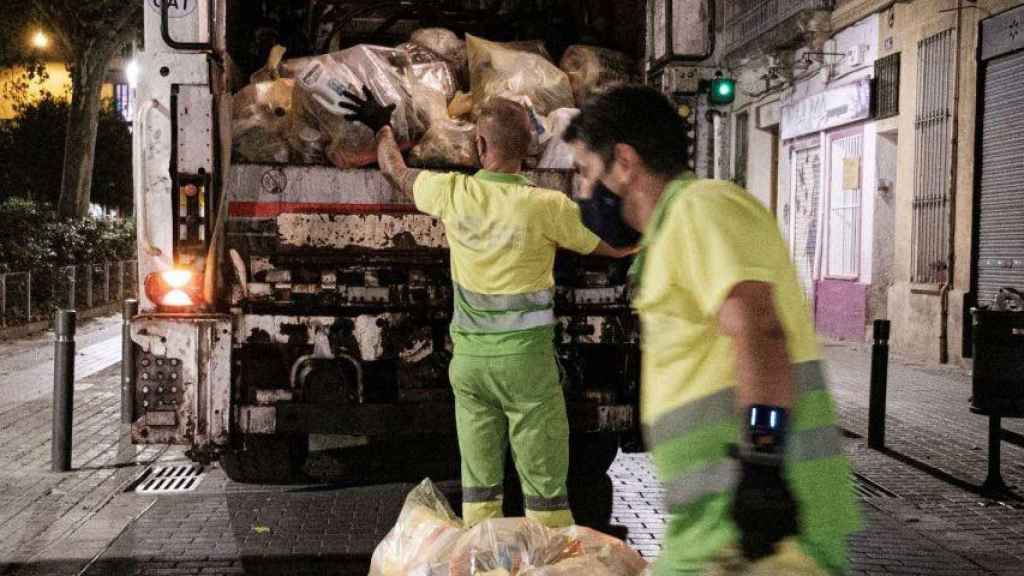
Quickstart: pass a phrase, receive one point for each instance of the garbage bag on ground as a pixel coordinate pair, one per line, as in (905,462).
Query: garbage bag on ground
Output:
(590,68)
(511,545)
(428,540)
(426,531)
(496,69)
(259,121)
(320,86)
(447,143)
(556,154)
(445,43)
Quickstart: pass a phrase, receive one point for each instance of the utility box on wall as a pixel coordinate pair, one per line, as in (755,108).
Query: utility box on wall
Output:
(678,30)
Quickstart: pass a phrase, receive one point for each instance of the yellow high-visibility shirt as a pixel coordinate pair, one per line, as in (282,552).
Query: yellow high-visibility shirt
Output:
(503,234)
(706,237)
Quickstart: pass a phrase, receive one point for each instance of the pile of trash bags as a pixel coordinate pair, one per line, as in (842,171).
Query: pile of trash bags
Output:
(429,540)
(290,113)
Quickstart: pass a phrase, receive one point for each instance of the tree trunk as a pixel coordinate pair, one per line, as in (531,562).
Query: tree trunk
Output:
(80,142)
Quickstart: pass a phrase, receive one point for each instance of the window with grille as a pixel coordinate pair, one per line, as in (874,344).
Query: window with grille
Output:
(887,85)
(933,157)
(742,143)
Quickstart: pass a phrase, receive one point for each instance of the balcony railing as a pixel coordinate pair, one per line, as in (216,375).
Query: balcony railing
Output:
(748,23)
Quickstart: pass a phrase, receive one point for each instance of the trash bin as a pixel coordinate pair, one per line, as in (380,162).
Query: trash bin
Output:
(998,382)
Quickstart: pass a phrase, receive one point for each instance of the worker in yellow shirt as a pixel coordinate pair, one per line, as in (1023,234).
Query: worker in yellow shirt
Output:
(733,397)
(503,234)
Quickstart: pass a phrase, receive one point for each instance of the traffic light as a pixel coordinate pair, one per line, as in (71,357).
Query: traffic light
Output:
(723,90)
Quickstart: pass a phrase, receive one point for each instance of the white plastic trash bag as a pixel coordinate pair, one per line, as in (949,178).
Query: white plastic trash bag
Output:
(428,540)
(501,70)
(555,153)
(426,531)
(321,86)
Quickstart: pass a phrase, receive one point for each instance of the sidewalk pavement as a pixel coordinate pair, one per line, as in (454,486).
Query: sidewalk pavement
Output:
(922,509)
(43,513)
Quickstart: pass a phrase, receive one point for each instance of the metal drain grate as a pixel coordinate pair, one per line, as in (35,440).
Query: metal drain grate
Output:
(867,489)
(171,480)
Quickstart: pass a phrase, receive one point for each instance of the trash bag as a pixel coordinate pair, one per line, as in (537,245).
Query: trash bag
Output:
(319,88)
(308,144)
(590,68)
(428,540)
(445,43)
(432,83)
(429,69)
(259,121)
(510,544)
(556,154)
(423,537)
(497,70)
(447,143)
(276,68)
(614,554)
(461,105)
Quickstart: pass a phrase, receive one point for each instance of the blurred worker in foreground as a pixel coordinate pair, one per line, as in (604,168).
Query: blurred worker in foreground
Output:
(503,234)
(733,396)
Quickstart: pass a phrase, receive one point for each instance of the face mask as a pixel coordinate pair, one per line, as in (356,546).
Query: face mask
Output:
(602,214)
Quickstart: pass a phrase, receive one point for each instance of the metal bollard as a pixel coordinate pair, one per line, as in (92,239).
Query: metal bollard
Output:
(879,383)
(130,309)
(63,388)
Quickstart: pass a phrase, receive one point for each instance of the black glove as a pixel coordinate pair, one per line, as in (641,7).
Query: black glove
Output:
(763,507)
(367,110)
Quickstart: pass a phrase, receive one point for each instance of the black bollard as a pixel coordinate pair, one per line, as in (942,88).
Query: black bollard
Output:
(63,388)
(879,383)
(130,309)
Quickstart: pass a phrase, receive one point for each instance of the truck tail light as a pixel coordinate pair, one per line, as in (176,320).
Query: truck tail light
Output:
(175,288)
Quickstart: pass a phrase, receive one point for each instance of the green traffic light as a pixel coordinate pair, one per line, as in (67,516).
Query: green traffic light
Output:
(723,91)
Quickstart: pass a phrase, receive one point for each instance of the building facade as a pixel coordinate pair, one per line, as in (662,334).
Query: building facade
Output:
(910,208)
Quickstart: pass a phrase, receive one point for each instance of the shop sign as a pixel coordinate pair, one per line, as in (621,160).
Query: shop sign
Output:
(833,107)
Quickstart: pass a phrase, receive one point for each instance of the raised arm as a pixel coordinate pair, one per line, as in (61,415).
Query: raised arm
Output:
(389,156)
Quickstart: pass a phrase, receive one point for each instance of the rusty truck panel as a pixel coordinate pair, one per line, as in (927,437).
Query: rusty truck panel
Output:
(183,380)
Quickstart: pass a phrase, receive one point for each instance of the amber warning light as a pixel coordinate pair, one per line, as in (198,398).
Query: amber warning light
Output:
(175,288)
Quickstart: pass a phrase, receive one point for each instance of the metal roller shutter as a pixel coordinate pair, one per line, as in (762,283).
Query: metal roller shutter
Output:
(806,199)
(1000,249)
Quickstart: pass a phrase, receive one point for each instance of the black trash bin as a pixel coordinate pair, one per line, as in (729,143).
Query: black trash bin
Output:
(998,383)
(998,378)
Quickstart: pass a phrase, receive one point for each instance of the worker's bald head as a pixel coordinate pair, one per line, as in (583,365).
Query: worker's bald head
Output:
(504,127)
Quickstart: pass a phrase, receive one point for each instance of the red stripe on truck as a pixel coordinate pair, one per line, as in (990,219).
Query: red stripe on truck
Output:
(272,209)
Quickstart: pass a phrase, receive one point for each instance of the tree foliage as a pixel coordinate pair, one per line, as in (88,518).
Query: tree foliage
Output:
(30,168)
(91,33)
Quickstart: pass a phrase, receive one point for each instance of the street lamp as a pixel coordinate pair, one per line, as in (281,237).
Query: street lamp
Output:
(40,40)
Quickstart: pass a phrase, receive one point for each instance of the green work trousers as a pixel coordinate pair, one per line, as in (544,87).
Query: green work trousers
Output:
(518,399)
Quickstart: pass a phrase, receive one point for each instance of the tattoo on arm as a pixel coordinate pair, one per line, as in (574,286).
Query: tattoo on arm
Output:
(393,165)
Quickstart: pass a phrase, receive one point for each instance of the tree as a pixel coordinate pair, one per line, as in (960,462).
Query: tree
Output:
(91,33)
(29,169)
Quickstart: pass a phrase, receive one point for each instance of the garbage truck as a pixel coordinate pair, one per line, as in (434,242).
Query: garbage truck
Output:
(279,300)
